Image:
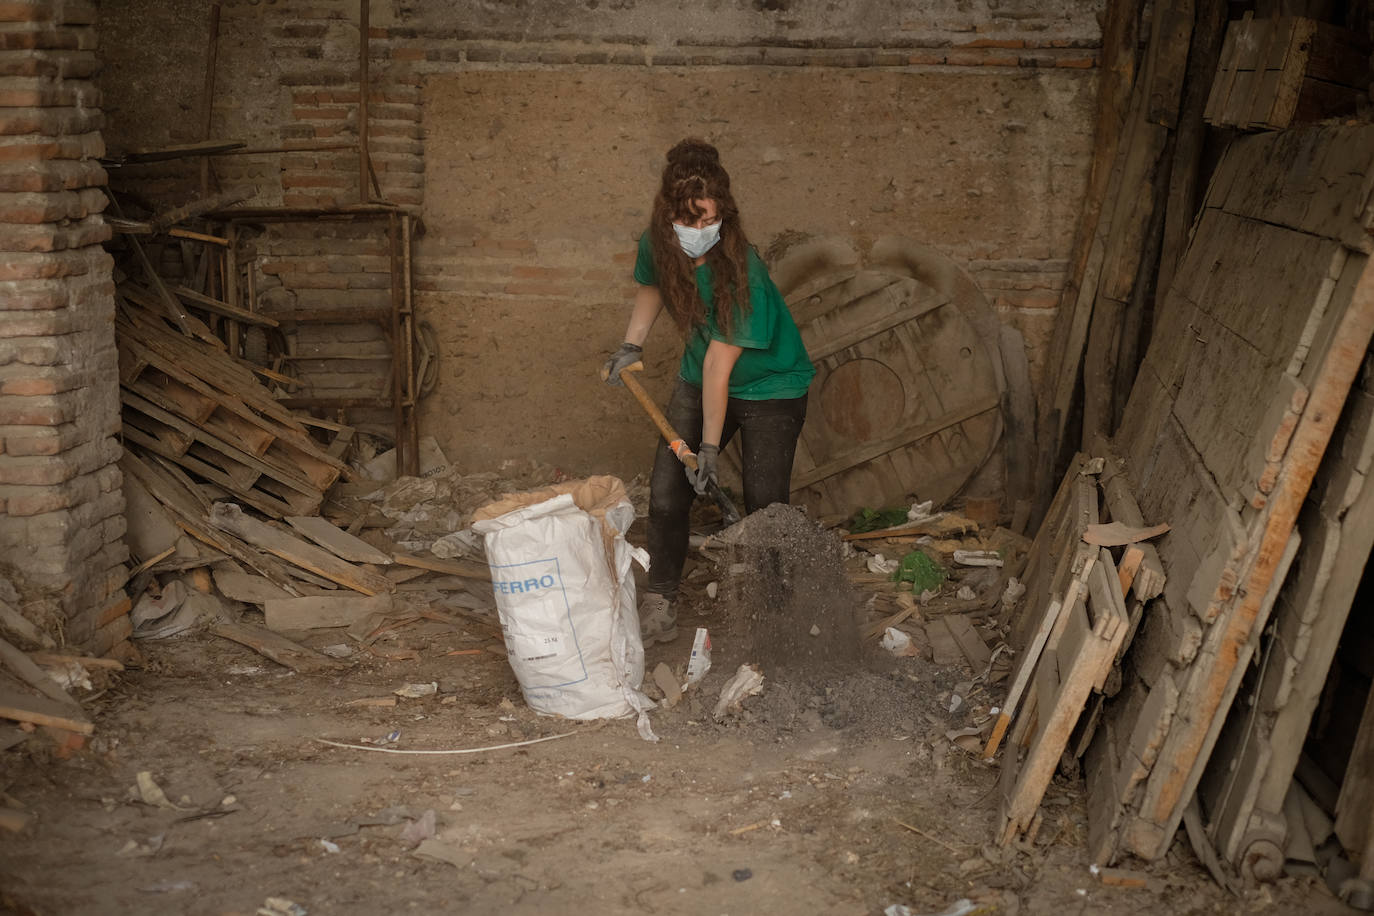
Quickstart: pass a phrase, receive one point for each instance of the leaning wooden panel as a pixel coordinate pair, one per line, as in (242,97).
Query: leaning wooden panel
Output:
(1176,773)
(1220,564)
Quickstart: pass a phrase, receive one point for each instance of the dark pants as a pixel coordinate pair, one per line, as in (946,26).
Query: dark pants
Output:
(769,431)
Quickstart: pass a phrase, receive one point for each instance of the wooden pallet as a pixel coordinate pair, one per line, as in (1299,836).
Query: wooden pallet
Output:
(1075,661)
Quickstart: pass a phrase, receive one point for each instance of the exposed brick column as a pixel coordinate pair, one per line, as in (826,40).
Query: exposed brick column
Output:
(61,509)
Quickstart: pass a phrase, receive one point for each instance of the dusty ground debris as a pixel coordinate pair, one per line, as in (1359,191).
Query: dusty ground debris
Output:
(787,596)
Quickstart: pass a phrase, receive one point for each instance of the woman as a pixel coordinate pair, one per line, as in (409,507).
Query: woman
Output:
(743,368)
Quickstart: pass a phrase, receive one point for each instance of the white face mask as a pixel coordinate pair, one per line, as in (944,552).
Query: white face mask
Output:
(696,242)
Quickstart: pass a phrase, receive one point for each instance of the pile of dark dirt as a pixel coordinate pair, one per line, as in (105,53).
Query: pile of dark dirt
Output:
(786,597)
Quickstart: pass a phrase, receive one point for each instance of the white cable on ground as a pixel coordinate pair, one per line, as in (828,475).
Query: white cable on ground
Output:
(469,750)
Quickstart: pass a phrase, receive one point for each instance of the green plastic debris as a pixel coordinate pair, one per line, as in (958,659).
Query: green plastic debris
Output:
(873,519)
(921,571)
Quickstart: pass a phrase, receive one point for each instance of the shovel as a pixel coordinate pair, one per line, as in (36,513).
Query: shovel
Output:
(679,448)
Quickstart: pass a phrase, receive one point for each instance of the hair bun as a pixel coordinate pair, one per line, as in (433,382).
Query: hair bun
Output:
(693,150)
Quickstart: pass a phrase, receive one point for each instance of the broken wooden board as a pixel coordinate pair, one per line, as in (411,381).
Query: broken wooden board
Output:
(237,585)
(337,541)
(228,517)
(278,648)
(42,711)
(323,611)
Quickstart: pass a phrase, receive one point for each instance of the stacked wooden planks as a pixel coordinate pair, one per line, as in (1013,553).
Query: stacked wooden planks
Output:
(1256,348)
(201,408)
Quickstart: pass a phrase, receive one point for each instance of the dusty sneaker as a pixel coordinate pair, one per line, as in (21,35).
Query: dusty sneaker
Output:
(657,619)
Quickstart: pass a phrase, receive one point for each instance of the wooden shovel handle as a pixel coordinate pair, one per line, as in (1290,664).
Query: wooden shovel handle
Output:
(664,427)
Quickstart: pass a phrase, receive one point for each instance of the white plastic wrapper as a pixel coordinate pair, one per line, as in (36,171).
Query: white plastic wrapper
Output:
(560,568)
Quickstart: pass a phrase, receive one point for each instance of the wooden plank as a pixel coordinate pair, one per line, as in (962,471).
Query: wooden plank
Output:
(467,569)
(36,677)
(278,648)
(338,542)
(42,711)
(228,517)
(323,611)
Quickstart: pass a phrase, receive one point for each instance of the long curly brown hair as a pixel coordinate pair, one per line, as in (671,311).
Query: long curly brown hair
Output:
(693,172)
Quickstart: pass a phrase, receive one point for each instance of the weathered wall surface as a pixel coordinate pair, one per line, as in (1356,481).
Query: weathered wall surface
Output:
(529,136)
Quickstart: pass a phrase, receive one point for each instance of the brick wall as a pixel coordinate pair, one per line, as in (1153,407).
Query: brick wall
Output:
(61,510)
(1004,89)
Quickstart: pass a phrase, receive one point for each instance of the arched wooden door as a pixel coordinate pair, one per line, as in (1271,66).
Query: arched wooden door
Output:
(908,389)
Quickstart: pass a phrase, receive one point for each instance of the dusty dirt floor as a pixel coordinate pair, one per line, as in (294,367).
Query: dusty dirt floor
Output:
(842,796)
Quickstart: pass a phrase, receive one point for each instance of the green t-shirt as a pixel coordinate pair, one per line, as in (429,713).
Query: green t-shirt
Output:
(774,364)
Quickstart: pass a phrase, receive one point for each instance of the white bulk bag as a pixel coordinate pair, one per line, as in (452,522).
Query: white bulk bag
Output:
(560,569)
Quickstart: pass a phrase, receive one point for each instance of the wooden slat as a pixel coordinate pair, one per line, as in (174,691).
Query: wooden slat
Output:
(338,542)
(42,711)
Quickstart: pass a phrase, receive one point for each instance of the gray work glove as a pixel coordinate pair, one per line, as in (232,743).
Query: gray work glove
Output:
(627,355)
(707,456)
